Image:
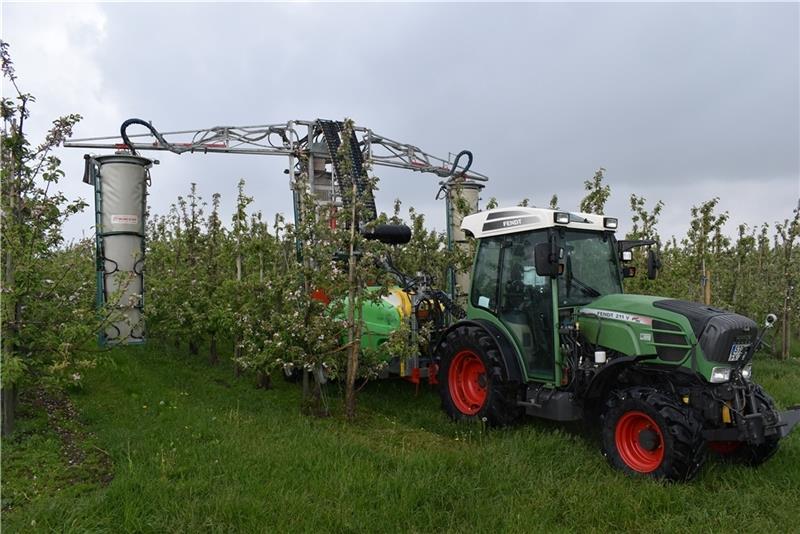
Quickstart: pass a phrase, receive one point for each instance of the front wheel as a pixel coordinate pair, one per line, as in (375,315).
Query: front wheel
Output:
(471,383)
(649,433)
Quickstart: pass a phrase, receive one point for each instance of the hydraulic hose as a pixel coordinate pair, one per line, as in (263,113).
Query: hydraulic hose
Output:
(172,148)
(458,158)
(443,189)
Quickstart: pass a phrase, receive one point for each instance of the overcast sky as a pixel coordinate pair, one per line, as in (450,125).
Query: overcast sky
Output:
(679,103)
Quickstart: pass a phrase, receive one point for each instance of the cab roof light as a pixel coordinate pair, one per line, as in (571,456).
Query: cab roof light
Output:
(561,217)
(610,222)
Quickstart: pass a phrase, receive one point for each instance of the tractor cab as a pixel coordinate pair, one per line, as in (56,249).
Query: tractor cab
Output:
(533,267)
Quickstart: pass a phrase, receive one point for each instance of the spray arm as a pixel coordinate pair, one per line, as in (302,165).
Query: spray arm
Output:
(281,140)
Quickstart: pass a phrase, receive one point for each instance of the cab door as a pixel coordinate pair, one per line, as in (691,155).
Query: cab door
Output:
(505,283)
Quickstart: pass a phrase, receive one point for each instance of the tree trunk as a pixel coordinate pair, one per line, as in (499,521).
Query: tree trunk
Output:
(707,288)
(319,407)
(263,380)
(352,371)
(312,401)
(352,357)
(785,334)
(237,350)
(736,282)
(193,348)
(213,353)
(305,401)
(13,313)
(9,396)
(788,273)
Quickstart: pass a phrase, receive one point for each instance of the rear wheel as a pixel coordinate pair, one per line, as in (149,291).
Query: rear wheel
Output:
(466,378)
(470,378)
(649,433)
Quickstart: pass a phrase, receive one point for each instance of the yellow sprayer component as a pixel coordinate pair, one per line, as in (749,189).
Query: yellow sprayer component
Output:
(400,300)
(726,414)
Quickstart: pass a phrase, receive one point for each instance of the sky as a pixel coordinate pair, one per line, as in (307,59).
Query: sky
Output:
(678,102)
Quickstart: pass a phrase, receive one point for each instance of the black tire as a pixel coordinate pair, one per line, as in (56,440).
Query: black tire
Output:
(754,454)
(647,432)
(493,400)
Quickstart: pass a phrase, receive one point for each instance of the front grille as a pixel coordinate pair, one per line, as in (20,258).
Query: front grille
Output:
(663,325)
(671,354)
(674,336)
(670,339)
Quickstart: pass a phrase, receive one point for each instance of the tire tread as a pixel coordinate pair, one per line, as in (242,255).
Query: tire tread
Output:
(682,425)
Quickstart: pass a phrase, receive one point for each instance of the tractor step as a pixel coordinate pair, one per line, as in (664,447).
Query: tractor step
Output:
(551,404)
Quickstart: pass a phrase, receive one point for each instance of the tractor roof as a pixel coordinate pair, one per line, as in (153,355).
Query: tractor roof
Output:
(501,221)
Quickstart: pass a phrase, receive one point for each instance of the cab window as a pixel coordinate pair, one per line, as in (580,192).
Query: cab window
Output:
(484,280)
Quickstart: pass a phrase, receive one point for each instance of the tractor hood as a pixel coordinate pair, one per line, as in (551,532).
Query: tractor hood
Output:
(668,328)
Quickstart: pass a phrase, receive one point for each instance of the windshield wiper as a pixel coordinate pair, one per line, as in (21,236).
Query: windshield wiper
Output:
(586,288)
(589,290)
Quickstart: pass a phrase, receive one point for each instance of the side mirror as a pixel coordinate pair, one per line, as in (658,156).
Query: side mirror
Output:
(628,272)
(547,263)
(626,255)
(653,264)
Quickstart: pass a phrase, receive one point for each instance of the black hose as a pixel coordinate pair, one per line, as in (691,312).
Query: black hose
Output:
(443,189)
(161,140)
(458,158)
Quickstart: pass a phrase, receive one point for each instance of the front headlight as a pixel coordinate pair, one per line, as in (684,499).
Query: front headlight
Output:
(747,371)
(720,374)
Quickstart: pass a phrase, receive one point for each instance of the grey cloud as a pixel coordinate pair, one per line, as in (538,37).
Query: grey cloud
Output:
(679,102)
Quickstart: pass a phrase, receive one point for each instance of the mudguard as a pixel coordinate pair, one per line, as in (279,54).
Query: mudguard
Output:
(512,372)
(608,375)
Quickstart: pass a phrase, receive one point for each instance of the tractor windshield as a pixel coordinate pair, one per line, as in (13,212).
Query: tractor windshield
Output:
(590,268)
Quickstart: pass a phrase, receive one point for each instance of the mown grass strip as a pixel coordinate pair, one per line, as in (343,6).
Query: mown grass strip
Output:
(195,449)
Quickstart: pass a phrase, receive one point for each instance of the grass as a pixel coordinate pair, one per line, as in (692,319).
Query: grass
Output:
(193,449)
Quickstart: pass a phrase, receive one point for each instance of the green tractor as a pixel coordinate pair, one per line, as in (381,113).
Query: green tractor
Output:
(549,333)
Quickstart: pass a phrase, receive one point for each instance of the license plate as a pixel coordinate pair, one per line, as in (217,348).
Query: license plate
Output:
(738,350)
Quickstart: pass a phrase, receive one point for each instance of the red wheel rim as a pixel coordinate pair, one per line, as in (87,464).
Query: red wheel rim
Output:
(639,442)
(467,382)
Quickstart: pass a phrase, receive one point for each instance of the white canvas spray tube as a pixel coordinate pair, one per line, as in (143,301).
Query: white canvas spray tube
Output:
(120,183)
